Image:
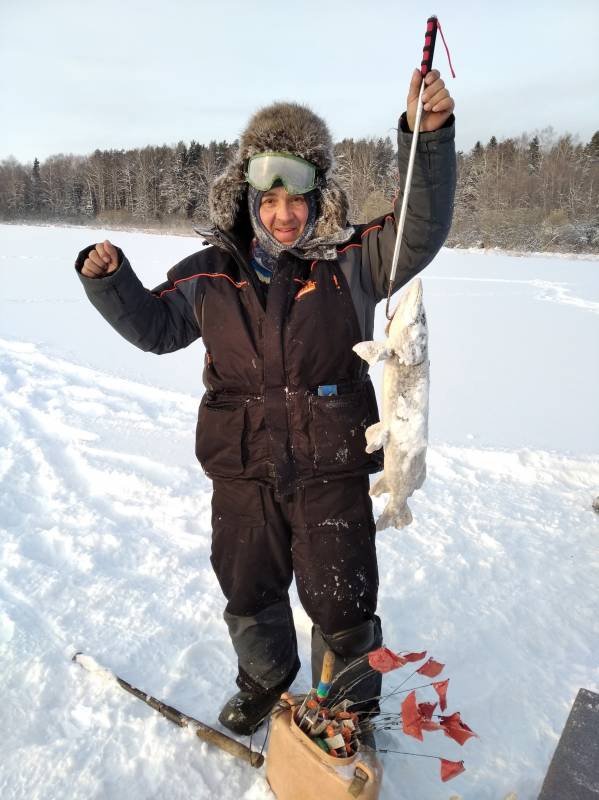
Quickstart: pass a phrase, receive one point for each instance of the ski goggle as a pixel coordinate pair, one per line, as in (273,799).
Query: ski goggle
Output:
(297,175)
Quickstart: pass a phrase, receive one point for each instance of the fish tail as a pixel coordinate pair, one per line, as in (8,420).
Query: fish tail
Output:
(393,517)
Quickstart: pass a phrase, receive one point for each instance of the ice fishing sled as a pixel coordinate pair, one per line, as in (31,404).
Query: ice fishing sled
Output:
(297,769)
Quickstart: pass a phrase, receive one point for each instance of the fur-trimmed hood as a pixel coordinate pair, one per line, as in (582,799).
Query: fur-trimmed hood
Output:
(284,127)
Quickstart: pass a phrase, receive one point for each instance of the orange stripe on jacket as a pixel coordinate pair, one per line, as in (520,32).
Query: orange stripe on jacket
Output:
(204,275)
(345,249)
(366,232)
(309,287)
(372,228)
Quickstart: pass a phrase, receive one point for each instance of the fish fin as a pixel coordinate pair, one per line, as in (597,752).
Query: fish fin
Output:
(372,351)
(379,486)
(377,436)
(393,517)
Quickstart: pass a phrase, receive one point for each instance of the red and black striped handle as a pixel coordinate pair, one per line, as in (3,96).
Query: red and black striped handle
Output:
(429,45)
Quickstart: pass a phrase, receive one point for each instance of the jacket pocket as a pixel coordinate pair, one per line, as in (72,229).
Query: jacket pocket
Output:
(219,435)
(255,439)
(337,427)
(237,504)
(339,505)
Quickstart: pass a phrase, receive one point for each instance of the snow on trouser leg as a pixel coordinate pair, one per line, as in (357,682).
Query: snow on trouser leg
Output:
(363,685)
(266,648)
(334,554)
(251,557)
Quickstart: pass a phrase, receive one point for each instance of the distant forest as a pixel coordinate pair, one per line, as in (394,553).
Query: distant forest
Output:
(537,192)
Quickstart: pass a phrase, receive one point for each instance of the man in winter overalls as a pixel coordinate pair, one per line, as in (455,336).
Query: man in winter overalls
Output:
(279,299)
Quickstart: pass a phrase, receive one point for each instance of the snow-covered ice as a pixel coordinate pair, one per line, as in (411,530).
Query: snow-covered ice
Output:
(105,532)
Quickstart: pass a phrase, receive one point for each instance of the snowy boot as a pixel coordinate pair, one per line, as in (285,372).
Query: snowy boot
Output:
(267,659)
(361,685)
(245,711)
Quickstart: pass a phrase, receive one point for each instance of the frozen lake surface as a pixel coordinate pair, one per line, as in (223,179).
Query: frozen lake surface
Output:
(514,342)
(105,532)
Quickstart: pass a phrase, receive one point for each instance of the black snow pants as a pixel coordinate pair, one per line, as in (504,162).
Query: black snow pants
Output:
(325,535)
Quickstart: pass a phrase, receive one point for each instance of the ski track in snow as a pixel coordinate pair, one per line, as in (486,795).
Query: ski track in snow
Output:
(105,545)
(550,291)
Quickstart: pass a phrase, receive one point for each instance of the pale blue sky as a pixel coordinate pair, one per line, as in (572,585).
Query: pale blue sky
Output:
(76,75)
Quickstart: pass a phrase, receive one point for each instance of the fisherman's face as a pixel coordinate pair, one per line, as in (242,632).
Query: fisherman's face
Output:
(283,215)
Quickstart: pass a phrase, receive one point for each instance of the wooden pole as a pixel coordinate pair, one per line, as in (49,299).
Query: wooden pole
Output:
(201,730)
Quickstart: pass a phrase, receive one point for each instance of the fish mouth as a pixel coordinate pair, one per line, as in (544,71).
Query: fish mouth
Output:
(409,305)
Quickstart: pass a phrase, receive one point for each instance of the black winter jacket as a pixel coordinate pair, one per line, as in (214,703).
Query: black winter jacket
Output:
(263,416)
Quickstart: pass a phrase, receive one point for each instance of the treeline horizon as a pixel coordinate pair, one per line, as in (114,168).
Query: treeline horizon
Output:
(532,192)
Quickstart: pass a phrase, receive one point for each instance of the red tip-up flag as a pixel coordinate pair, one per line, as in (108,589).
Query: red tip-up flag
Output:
(431,669)
(413,656)
(449,769)
(384,660)
(426,716)
(441,688)
(456,729)
(426,709)
(411,718)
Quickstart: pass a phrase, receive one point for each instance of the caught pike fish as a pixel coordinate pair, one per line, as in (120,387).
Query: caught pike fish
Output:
(403,429)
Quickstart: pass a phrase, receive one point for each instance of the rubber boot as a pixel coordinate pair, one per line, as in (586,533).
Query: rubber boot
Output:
(245,711)
(363,684)
(267,664)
